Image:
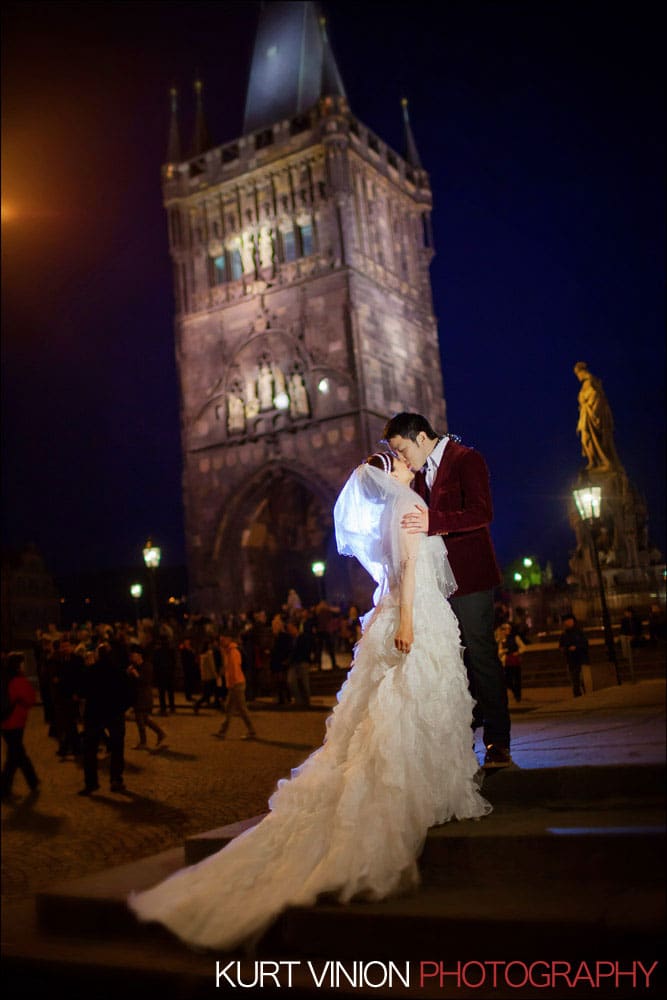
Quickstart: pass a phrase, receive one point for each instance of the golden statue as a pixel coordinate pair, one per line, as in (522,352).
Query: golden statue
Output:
(596,423)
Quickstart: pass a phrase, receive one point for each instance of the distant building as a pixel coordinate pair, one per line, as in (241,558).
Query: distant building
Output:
(304,317)
(29,597)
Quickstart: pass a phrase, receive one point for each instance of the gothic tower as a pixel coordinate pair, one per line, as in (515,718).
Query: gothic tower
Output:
(304,318)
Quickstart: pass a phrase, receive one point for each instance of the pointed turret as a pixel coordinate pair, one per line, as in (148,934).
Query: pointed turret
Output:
(332,83)
(201,141)
(292,65)
(411,154)
(174,143)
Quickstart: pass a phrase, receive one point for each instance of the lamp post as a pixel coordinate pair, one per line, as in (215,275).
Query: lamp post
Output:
(152,555)
(136,590)
(318,569)
(588,500)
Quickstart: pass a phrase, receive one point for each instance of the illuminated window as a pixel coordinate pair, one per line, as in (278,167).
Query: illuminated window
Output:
(289,244)
(306,236)
(235,264)
(217,271)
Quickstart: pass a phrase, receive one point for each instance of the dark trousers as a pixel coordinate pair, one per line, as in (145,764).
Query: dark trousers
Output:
(67,726)
(513,680)
(209,689)
(576,680)
(17,759)
(92,734)
(485,673)
(165,690)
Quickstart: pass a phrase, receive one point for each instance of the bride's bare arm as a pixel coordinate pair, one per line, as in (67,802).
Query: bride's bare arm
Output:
(405,635)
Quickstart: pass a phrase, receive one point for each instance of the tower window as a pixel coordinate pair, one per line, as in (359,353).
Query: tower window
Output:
(230,153)
(299,124)
(306,235)
(288,244)
(217,270)
(264,138)
(235,264)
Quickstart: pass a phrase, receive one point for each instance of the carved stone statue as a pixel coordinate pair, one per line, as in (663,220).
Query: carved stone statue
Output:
(251,401)
(235,413)
(596,423)
(266,250)
(265,387)
(299,396)
(248,254)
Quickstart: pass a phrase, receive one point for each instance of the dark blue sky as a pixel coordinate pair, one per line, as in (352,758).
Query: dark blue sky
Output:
(541,127)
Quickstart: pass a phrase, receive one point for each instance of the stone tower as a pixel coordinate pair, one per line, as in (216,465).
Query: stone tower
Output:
(304,318)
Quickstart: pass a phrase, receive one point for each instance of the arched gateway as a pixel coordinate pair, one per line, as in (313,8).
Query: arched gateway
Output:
(303,318)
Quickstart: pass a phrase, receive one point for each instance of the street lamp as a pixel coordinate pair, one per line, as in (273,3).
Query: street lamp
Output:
(136,590)
(318,569)
(588,500)
(152,555)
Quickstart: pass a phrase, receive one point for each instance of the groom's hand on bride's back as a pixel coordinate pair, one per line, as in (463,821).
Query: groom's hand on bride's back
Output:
(415,520)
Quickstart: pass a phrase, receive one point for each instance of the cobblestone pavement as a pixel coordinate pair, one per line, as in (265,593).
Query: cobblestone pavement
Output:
(196,783)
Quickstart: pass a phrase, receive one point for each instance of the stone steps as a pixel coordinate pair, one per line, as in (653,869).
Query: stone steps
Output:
(569,864)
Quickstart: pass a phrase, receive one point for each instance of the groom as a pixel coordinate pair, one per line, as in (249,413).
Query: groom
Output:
(454,482)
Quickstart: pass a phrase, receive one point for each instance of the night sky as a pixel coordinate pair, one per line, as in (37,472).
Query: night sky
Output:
(541,126)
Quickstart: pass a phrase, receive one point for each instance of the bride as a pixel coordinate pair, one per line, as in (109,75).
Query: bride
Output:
(397,757)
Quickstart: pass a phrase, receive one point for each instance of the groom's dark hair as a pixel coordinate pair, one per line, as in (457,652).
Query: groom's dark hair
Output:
(408,425)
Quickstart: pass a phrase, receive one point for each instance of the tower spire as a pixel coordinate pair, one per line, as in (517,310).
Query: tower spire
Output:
(411,154)
(292,65)
(201,141)
(332,82)
(174,142)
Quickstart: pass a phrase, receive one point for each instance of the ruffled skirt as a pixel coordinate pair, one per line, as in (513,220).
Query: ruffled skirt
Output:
(397,759)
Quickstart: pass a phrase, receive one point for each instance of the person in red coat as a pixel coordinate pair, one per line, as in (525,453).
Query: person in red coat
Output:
(21,698)
(453,481)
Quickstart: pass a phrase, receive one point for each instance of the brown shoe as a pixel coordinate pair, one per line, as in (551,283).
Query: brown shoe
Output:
(496,756)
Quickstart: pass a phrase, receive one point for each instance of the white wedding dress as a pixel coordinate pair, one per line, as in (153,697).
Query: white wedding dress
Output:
(397,759)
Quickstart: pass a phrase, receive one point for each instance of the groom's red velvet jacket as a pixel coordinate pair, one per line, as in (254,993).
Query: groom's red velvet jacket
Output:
(460,508)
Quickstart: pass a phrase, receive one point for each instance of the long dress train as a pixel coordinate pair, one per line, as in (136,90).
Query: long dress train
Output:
(397,759)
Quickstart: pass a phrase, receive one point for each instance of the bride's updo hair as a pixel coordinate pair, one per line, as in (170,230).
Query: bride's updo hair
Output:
(382,460)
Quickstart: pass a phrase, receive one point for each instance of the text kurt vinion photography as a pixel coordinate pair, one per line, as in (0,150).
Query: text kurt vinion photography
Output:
(516,974)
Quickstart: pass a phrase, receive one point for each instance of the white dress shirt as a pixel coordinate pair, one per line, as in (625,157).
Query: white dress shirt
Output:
(433,462)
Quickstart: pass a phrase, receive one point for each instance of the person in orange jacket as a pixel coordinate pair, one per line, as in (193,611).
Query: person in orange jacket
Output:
(235,681)
(20,699)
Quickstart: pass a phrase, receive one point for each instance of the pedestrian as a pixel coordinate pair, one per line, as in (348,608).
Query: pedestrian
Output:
(210,678)
(301,660)
(141,670)
(164,673)
(235,702)
(189,668)
(574,644)
(18,698)
(280,658)
(107,692)
(510,650)
(66,671)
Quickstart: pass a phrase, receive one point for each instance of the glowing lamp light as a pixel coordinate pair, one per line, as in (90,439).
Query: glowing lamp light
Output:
(318,568)
(136,590)
(152,554)
(588,502)
(528,563)
(323,386)
(517,577)
(281,401)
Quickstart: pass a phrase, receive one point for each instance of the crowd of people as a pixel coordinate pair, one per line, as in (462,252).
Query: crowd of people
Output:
(93,679)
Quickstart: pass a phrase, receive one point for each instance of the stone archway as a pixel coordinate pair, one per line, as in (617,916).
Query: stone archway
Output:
(279,527)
